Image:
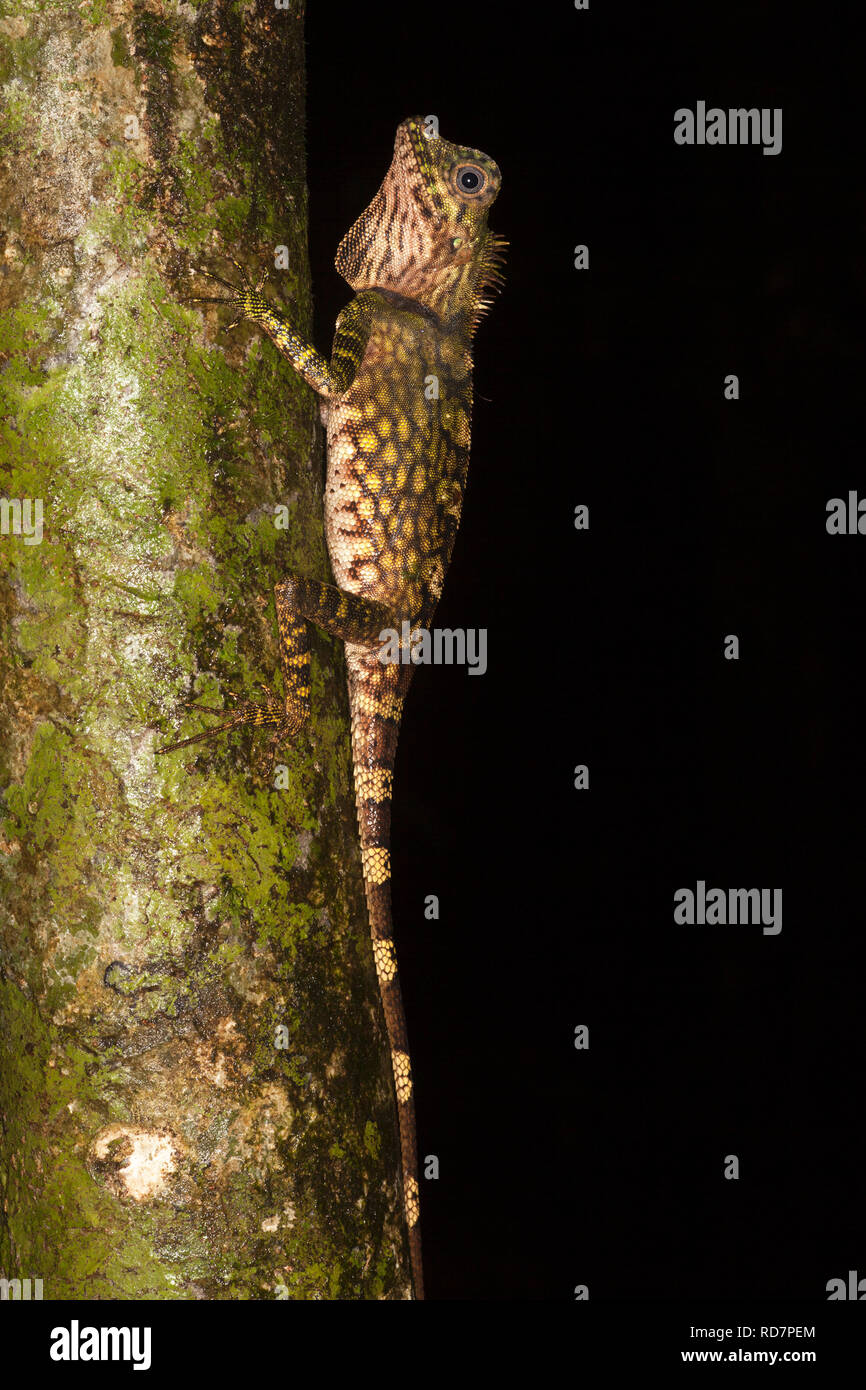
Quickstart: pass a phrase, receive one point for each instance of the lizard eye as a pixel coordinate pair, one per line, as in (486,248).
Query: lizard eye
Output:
(469,180)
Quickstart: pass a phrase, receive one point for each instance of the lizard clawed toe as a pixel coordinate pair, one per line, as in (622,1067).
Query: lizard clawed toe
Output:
(238,293)
(256,716)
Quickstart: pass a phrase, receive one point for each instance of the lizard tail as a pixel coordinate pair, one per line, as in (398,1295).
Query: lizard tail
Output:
(376,704)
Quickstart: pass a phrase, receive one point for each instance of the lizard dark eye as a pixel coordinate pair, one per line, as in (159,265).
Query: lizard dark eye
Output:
(469,179)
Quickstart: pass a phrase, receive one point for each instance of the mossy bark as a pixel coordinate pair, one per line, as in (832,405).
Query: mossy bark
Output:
(193,1073)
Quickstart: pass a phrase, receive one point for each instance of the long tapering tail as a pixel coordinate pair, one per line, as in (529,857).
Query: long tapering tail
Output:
(376,702)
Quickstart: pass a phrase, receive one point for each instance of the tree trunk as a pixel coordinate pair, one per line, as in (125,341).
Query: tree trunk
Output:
(194,1078)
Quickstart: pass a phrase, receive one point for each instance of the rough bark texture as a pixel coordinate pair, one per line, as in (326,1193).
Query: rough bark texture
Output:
(162,918)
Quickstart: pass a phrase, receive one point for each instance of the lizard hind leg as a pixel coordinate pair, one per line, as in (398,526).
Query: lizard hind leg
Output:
(287,716)
(294,661)
(351,617)
(272,713)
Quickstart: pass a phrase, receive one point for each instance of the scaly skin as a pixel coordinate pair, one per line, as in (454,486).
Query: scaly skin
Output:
(398,400)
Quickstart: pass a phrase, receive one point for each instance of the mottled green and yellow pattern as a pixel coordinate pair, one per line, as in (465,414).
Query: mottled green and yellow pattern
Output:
(398,394)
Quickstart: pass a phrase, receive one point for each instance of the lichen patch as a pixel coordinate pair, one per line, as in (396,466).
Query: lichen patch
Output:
(135,1163)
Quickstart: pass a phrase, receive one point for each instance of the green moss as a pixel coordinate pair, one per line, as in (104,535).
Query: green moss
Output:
(372,1141)
(198,590)
(195,160)
(122,217)
(232,217)
(56,809)
(14,109)
(94,11)
(120,54)
(18,55)
(154,38)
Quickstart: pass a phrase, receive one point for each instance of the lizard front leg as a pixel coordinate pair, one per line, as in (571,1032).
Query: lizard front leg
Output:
(327,379)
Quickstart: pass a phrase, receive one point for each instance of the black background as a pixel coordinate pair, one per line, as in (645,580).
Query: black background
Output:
(707,517)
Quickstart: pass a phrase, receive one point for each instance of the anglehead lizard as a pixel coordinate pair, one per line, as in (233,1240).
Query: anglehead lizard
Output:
(397,396)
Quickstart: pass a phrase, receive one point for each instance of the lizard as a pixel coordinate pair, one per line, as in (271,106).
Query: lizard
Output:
(396,400)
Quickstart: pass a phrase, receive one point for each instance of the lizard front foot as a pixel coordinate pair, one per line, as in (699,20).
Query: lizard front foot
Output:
(246,297)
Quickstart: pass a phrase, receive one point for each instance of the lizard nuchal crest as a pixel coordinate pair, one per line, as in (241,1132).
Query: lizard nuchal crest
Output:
(397,396)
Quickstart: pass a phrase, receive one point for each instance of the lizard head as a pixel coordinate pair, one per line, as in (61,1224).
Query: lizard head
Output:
(425,233)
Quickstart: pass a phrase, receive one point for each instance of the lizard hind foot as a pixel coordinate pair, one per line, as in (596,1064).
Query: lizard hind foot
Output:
(272,714)
(291,721)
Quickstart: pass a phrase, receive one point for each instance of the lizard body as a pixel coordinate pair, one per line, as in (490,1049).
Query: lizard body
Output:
(397,399)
